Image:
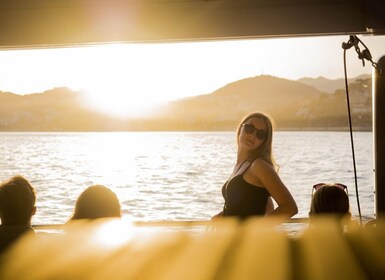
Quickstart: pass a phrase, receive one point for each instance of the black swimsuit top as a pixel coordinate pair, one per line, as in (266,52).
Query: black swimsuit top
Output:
(243,199)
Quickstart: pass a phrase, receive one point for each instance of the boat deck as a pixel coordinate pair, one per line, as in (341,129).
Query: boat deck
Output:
(256,249)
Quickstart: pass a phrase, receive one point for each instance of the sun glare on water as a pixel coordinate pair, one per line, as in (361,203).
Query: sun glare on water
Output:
(113,233)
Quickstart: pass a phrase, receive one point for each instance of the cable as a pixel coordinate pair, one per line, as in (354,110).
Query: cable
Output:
(354,41)
(351,136)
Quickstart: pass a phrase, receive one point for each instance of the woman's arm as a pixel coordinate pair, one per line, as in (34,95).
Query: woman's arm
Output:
(268,177)
(269,206)
(219,215)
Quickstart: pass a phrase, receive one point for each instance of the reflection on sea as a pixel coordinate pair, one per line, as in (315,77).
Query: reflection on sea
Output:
(175,176)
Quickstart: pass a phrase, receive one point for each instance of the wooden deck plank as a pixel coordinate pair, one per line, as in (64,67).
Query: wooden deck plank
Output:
(200,257)
(324,253)
(369,247)
(254,249)
(260,252)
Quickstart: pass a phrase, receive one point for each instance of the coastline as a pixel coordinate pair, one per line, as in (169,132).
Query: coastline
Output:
(295,128)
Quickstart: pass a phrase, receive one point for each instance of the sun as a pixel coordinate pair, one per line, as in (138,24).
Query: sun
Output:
(121,83)
(119,102)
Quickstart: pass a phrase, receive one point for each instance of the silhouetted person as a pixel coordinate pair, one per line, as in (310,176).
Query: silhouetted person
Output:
(17,206)
(97,202)
(330,200)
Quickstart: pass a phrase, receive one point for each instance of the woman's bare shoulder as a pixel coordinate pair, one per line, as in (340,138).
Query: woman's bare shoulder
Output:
(260,166)
(261,163)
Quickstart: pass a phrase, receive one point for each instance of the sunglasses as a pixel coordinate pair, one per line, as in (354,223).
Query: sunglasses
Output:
(318,186)
(251,129)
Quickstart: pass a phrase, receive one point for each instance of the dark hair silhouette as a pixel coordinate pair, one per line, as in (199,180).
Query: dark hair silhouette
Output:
(330,199)
(97,202)
(17,201)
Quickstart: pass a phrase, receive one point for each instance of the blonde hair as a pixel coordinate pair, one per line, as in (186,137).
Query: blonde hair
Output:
(265,151)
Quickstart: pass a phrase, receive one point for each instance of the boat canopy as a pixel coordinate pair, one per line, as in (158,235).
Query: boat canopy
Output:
(50,23)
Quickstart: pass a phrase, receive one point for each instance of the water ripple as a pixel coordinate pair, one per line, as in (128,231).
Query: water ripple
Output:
(174,175)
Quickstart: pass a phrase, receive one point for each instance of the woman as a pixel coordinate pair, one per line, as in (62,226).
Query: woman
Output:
(97,202)
(254,180)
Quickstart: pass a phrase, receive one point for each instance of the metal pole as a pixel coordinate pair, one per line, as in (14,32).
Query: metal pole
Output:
(379,136)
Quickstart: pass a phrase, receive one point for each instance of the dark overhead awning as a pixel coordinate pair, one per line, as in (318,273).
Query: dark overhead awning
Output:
(47,23)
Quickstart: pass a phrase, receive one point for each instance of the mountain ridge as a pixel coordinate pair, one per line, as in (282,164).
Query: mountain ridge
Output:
(292,104)
(330,85)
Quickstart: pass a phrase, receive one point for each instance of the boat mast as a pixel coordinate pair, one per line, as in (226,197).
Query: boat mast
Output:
(379,137)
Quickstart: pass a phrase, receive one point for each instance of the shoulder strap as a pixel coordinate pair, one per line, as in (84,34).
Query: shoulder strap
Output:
(248,164)
(242,167)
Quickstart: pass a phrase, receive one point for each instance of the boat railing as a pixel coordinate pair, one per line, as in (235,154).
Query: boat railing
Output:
(165,223)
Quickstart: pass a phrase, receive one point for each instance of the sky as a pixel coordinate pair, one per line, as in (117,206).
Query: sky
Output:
(127,79)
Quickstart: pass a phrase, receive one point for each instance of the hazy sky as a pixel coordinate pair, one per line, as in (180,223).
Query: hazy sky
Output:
(135,75)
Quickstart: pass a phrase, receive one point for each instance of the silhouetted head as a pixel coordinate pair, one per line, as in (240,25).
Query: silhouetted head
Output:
(97,202)
(330,199)
(17,201)
(263,133)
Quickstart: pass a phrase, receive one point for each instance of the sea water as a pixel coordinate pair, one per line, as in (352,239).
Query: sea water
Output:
(176,176)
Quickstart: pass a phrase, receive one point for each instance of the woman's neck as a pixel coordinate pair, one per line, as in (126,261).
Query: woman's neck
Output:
(241,157)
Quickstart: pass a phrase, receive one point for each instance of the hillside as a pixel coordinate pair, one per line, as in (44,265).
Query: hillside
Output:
(59,109)
(292,104)
(330,86)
